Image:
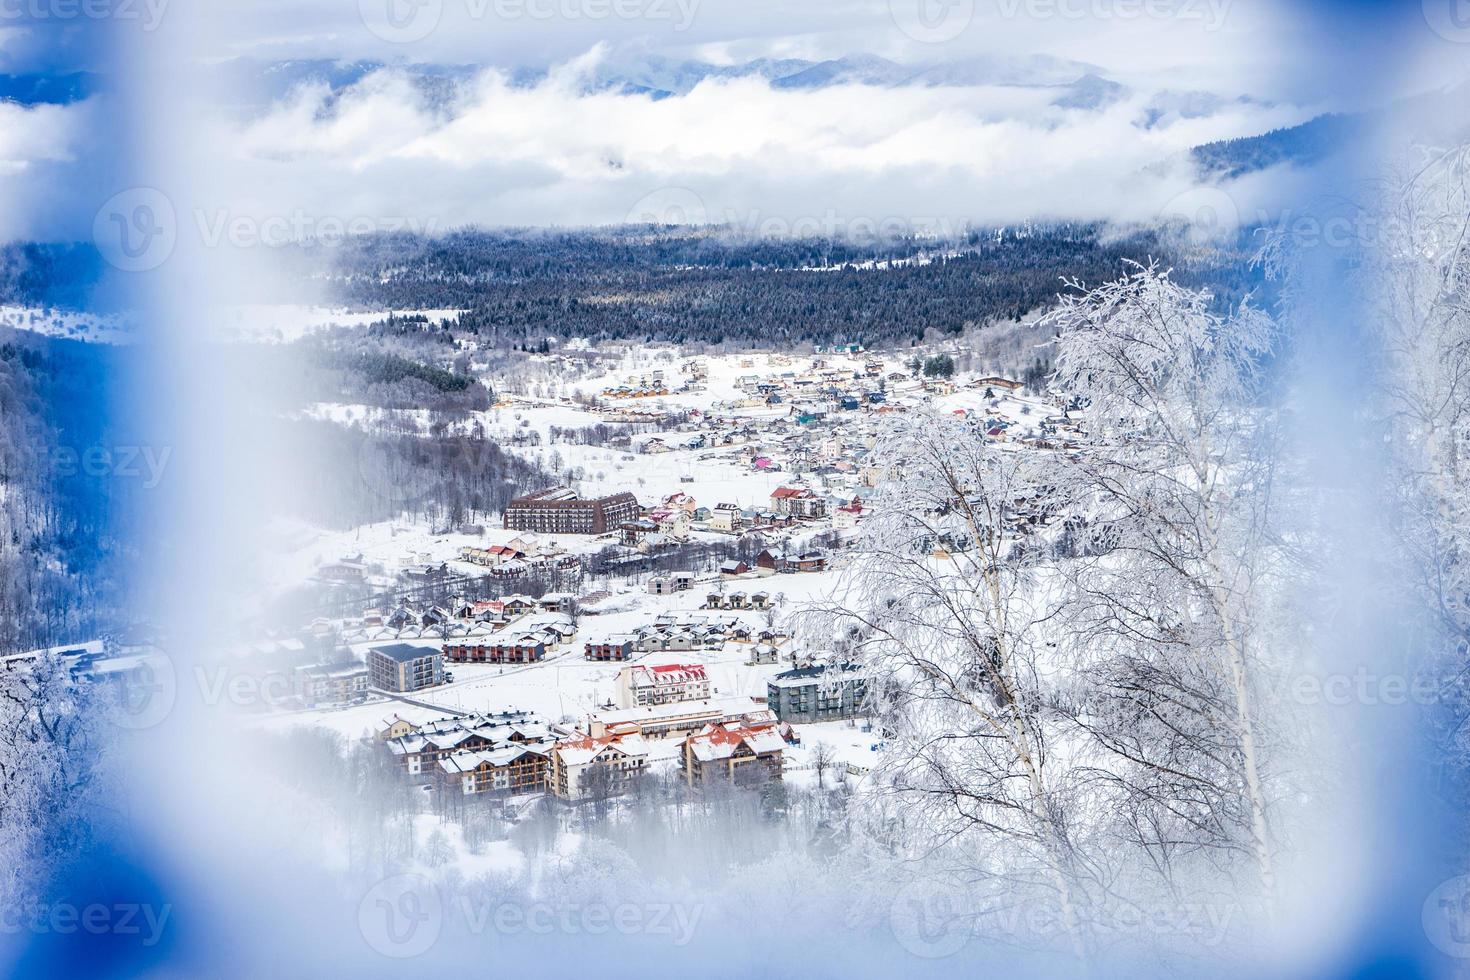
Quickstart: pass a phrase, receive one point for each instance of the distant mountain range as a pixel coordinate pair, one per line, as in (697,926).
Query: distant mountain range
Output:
(1435,118)
(1078,84)
(1303,145)
(1073,85)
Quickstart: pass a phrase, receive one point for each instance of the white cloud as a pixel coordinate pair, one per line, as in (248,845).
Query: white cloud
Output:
(37,134)
(556,154)
(44,152)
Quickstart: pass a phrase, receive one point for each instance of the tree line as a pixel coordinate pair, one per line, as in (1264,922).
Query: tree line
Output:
(701,287)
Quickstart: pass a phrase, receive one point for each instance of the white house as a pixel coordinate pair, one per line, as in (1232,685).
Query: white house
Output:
(726,517)
(640,684)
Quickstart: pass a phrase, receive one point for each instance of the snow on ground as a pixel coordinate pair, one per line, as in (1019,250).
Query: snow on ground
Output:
(723,373)
(499,857)
(282,323)
(1022,410)
(369,416)
(566,686)
(352,721)
(709,476)
(849,743)
(97,328)
(397,544)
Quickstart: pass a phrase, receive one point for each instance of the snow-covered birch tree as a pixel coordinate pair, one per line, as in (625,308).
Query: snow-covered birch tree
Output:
(1165,609)
(1414,283)
(50,751)
(945,609)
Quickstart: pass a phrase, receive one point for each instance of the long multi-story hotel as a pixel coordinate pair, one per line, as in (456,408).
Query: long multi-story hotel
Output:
(558,510)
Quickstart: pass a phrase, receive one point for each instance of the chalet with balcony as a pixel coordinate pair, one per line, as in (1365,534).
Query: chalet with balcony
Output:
(587,766)
(507,770)
(733,752)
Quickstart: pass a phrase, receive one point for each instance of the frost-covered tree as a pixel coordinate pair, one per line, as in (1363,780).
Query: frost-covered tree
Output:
(50,770)
(824,757)
(1414,284)
(946,608)
(1166,606)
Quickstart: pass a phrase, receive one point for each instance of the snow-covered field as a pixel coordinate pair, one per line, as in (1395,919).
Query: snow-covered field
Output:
(282,323)
(97,328)
(565,685)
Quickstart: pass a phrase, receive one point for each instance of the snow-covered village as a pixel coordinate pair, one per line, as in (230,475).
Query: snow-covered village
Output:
(697,585)
(685,488)
(636,617)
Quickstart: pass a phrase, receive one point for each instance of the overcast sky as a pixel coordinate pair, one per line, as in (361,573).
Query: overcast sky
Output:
(740,151)
(736,151)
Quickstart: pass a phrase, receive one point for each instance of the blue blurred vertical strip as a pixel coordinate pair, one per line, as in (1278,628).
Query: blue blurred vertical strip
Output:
(1379,865)
(109,910)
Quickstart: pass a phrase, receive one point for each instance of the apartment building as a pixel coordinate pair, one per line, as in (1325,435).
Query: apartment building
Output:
(403,667)
(420,750)
(331,683)
(508,769)
(734,752)
(639,684)
(677,718)
(559,510)
(811,694)
(582,767)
